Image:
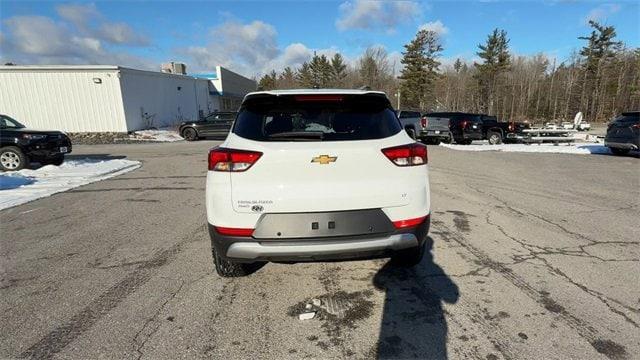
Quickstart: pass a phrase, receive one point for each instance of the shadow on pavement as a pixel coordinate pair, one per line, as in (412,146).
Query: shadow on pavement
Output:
(413,321)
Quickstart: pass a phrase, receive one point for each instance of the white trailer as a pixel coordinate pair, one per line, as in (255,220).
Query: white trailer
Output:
(101,98)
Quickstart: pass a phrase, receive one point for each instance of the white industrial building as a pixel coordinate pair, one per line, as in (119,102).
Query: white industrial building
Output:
(113,98)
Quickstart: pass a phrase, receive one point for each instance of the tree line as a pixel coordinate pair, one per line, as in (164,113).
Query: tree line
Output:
(602,79)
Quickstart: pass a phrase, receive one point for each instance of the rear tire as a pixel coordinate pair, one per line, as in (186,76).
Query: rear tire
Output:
(495,138)
(408,257)
(618,151)
(12,159)
(190,134)
(228,268)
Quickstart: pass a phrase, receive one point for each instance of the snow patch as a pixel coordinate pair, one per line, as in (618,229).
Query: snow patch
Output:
(535,148)
(159,135)
(26,185)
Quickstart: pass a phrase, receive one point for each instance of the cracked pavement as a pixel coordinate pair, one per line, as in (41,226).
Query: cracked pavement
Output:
(532,256)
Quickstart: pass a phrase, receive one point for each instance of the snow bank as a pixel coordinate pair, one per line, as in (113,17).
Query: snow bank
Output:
(160,135)
(534,148)
(26,185)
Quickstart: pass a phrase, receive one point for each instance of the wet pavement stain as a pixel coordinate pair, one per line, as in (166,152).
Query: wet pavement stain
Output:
(610,349)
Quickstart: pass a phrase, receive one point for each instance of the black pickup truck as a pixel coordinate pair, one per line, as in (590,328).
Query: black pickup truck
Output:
(497,132)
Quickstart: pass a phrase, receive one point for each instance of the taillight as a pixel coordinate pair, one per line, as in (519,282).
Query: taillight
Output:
(407,155)
(636,126)
(511,126)
(464,124)
(233,231)
(223,159)
(401,224)
(424,122)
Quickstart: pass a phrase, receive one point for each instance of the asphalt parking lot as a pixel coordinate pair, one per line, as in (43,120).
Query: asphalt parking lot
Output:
(533,256)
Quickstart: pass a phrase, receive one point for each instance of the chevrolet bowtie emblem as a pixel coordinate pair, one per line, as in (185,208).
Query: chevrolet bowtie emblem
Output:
(324,159)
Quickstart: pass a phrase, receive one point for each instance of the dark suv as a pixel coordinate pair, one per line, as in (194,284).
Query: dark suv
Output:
(462,128)
(19,145)
(216,124)
(623,133)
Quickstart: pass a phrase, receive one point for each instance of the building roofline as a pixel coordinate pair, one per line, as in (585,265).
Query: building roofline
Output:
(60,67)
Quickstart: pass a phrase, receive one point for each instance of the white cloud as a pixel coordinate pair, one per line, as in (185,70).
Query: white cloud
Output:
(249,49)
(367,14)
(121,33)
(41,40)
(435,26)
(78,15)
(601,12)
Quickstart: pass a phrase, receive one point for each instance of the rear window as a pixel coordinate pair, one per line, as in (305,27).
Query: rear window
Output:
(466,117)
(316,118)
(409,114)
(627,119)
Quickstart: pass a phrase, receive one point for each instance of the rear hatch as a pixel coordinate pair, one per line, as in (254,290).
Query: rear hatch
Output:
(624,127)
(320,153)
(437,124)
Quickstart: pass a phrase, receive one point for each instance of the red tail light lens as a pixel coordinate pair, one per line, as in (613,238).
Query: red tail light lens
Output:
(233,231)
(636,126)
(223,159)
(407,155)
(464,124)
(401,224)
(424,121)
(511,126)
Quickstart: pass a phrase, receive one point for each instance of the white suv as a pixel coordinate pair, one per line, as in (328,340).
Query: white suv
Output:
(309,175)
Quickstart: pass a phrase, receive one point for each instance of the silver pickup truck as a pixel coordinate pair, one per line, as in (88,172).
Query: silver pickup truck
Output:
(412,122)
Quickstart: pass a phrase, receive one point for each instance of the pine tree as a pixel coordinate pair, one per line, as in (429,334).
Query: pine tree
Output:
(320,71)
(496,61)
(420,70)
(304,76)
(338,70)
(268,81)
(287,79)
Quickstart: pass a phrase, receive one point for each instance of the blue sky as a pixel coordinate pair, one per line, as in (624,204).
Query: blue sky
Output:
(252,37)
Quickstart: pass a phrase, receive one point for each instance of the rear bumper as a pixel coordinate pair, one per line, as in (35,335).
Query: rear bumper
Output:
(431,134)
(621,145)
(250,249)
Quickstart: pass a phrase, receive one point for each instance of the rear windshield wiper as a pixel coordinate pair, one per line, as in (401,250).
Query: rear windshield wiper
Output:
(298,135)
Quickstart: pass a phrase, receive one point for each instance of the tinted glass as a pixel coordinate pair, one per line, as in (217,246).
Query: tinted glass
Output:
(286,118)
(409,114)
(627,119)
(9,123)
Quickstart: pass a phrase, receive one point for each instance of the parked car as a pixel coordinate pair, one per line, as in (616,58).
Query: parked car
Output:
(19,146)
(584,126)
(462,128)
(411,121)
(623,133)
(497,132)
(309,175)
(216,124)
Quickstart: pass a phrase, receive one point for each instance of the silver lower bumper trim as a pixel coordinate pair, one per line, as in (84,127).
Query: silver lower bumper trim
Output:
(265,249)
(620,145)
